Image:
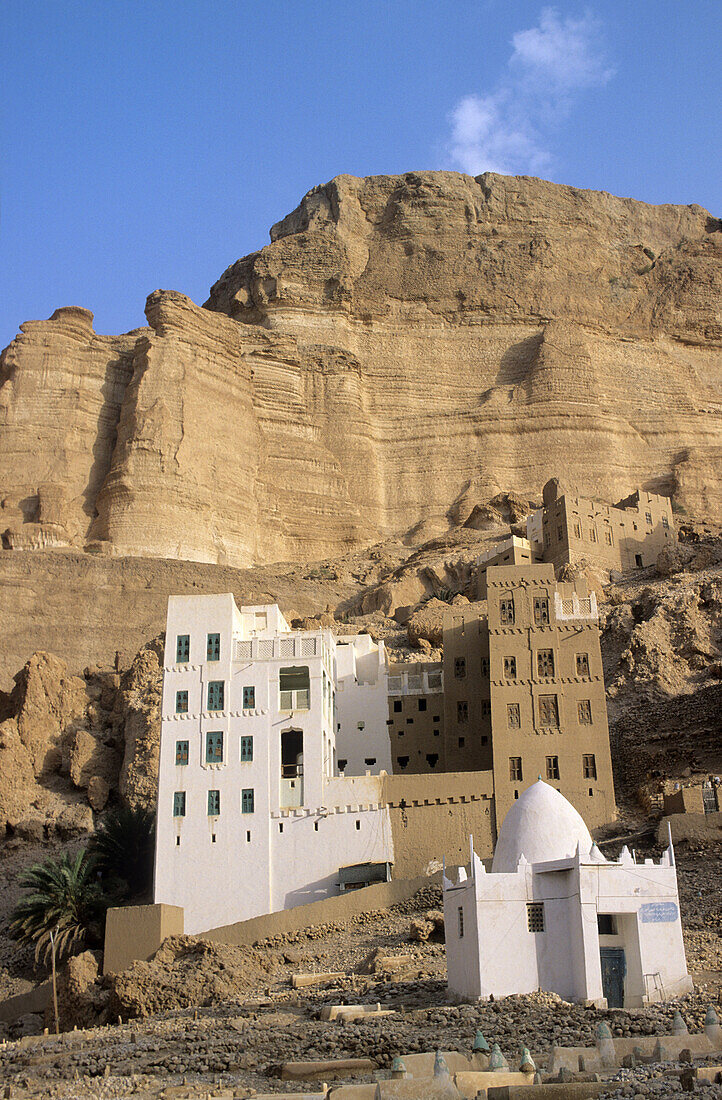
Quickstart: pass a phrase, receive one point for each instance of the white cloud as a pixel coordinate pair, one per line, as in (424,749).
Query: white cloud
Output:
(508,128)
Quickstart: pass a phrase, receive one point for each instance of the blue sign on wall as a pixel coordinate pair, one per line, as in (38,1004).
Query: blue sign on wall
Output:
(658,912)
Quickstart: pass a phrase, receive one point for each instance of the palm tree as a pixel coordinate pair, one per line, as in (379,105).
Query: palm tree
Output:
(122,850)
(64,900)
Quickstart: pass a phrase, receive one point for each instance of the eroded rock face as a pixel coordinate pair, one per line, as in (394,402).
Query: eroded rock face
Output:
(404,346)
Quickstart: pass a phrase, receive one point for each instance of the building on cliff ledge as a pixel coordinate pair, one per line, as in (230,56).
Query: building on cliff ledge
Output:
(555,915)
(622,537)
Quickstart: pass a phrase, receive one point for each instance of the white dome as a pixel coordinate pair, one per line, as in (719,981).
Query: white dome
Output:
(541,825)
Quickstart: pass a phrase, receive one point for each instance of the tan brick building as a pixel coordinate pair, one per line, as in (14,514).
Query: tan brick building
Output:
(622,537)
(524,690)
(416,718)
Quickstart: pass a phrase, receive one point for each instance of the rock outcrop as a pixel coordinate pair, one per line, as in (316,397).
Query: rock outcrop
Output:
(402,344)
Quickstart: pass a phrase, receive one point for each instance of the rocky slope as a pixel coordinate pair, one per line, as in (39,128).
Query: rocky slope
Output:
(404,348)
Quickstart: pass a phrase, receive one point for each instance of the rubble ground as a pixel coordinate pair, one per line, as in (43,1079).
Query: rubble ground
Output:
(229,1022)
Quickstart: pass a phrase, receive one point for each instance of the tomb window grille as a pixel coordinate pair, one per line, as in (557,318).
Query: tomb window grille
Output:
(510,668)
(545,662)
(515,773)
(214,803)
(589,766)
(179,804)
(183,648)
(548,710)
(585,712)
(216,692)
(552,767)
(462,711)
(513,716)
(582,664)
(506,611)
(181,702)
(535,916)
(460,668)
(249,698)
(181,752)
(213,647)
(541,610)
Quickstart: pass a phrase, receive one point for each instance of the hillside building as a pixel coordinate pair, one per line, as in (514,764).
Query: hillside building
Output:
(555,915)
(621,537)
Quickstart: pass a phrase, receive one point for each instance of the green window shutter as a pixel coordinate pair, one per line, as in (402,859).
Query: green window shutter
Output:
(179,804)
(183,648)
(181,752)
(181,702)
(213,647)
(214,747)
(214,803)
(215,694)
(247,800)
(249,698)
(246,749)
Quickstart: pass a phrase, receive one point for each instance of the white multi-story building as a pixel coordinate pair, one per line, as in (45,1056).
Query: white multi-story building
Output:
(362,685)
(250,816)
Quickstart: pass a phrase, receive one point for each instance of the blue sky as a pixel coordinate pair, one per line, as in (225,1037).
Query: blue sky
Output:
(151,144)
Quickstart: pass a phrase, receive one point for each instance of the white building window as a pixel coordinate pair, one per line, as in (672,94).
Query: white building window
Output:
(249,698)
(294,688)
(182,648)
(213,647)
(179,804)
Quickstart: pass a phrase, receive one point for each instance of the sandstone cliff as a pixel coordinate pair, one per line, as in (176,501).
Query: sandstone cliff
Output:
(403,349)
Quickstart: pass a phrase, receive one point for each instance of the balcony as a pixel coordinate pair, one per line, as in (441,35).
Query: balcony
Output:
(575,607)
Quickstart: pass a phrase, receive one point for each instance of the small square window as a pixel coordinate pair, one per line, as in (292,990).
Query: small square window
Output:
(358,825)
(460,668)
(582,664)
(552,767)
(181,702)
(181,752)
(432,759)
(484,739)
(510,668)
(462,711)
(462,742)
(249,698)
(342,765)
(183,648)
(247,800)
(214,803)
(589,766)
(515,774)
(213,647)
(215,694)
(437,717)
(545,663)
(535,916)
(248,836)
(214,747)
(246,750)
(606,924)
(369,761)
(402,761)
(397,706)
(179,804)
(422,704)
(409,721)
(361,726)
(513,716)
(541,610)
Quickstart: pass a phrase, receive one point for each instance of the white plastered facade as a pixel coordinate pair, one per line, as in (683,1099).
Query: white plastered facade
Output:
(562,890)
(363,745)
(283,843)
